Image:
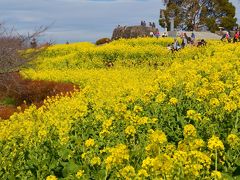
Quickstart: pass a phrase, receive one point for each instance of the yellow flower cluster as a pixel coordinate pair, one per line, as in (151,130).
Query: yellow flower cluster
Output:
(160,97)
(95,161)
(214,143)
(189,131)
(192,114)
(142,173)
(79,174)
(216,175)
(158,137)
(173,101)
(233,140)
(51,177)
(214,102)
(89,142)
(117,155)
(130,130)
(127,172)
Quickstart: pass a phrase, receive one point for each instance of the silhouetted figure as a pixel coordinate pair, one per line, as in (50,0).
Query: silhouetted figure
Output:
(150,24)
(33,43)
(193,37)
(144,23)
(153,25)
(67,42)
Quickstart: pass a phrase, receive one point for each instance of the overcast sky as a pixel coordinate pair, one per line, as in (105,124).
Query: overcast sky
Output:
(79,20)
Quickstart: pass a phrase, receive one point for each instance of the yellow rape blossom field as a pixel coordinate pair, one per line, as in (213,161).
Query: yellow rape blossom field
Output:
(142,112)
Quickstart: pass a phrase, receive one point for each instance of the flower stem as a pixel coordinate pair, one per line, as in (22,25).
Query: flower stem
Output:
(216,161)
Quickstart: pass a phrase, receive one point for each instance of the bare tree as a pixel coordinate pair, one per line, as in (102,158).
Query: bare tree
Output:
(13,46)
(14,53)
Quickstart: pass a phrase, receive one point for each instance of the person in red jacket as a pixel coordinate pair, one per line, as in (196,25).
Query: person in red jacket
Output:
(236,37)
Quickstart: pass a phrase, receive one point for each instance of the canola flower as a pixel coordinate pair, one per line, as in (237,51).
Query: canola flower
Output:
(152,115)
(173,101)
(197,144)
(142,173)
(189,131)
(79,174)
(192,114)
(95,161)
(52,177)
(137,109)
(214,143)
(90,142)
(127,172)
(216,175)
(214,102)
(233,140)
(158,137)
(161,97)
(117,155)
(130,130)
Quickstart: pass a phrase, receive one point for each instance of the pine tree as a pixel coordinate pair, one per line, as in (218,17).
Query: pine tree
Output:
(197,14)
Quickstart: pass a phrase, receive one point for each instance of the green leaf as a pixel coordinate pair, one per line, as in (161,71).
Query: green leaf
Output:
(69,168)
(63,153)
(227,176)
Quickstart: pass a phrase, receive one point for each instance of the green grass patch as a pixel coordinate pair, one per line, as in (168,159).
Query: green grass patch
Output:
(7,101)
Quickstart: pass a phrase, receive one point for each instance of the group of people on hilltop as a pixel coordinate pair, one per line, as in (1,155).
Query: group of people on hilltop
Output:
(186,40)
(227,36)
(151,24)
(143,23)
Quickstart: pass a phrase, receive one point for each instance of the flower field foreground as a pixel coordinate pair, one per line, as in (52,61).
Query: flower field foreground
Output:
(153,115)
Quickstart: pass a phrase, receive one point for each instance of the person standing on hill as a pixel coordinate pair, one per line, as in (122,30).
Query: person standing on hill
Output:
(184,40)
(176,45)
(228,37)
(144,23)
(153,25)
(33,43)
(151,34)
(157,34)
(238,32)
(193,37)
(225,35)
(236,37)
